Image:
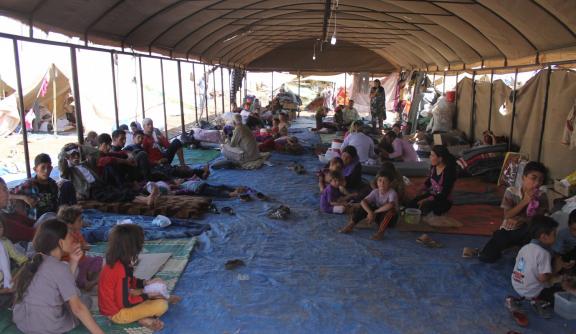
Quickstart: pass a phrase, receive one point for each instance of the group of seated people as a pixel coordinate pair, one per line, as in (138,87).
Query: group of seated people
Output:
(343,190)
(43,216)
(546,261)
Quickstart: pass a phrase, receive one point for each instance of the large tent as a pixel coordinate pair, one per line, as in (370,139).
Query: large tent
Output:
(379,36)
(52,88)
(5,90)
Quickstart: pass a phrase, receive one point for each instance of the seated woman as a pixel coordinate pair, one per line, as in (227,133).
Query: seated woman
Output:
(436,197)
(364,145)
(396,148)
(243,147)
(160,151)
(18,227)
(320,124)
(352,169)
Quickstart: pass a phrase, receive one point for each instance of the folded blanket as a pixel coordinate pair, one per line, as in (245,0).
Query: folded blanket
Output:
(98,226)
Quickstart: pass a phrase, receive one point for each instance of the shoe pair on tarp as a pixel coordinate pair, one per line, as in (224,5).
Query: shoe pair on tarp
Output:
(281,212)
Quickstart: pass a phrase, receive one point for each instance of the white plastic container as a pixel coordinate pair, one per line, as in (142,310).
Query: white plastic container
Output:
(412,216)
(565,305)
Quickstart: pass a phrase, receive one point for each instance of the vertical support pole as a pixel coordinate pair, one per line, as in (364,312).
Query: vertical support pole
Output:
(245,85)
(21,107)
(513,110)
(272,87)
(444,83)
(299,92)
(455,117)
(114,93)
(181,97)
(543,127)
(195,91)
(163,98)
(473,111)
(434,80)
(491,94)
(222,86)
(214,91)
(205,92)
(345,87)
(76,85)
(141,87)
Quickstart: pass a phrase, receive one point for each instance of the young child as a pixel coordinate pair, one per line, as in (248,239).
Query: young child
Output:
(335,165)
(519,205)
(380,206)
(397,180)
(46,298)
(8,253)
(120,295)
(89,267)
(136,145)
(565,245)
(40,192)
(332,200)
(533,272)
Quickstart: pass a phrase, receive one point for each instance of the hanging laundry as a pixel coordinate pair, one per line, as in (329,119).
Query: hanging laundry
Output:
(569,135)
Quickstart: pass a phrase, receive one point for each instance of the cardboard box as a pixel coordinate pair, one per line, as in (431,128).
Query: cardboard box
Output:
(561,188)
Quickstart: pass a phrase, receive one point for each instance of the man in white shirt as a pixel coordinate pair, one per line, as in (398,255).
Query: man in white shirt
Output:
(245,113)
(350,114)
(364,144)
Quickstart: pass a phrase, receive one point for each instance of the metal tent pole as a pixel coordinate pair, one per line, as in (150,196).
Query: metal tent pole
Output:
(473,111)
(543,127)
(141,87)
(181,97)
(21,107)
(513,111)
(491,95)
(195,91)
(115,93)
(163,98)
(222,87)
(214,91)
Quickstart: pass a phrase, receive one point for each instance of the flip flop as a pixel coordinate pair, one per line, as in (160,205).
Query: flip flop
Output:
(425,240)
(245,197)
(233,264)
(261,196)
(228,210)
(513,305)
(213,209)
(469,252)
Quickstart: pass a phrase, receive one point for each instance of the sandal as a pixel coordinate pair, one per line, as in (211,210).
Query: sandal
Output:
(233,264)
(153,324)
(469,252)
(245,198)
(425,240)
(228,210)
(513,305)
(261,196)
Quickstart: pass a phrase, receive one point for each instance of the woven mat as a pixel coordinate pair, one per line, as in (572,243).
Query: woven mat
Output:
(170,272)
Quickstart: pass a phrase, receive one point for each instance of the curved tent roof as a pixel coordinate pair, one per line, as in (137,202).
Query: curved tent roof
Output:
(380,35)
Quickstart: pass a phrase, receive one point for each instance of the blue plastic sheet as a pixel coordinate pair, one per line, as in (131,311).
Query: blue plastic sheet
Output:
(302,276)
(98,225)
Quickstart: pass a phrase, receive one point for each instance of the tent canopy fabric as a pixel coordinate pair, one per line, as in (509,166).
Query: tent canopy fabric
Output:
(254,33)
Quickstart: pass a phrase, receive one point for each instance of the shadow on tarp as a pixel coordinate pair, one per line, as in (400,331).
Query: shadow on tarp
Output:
(301,276)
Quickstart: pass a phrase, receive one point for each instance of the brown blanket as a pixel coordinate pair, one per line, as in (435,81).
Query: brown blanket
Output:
(170,206)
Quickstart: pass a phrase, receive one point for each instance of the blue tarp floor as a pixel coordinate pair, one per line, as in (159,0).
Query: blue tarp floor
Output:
(301,276)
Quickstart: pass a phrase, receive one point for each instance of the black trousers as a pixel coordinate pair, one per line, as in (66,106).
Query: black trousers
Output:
(503,239)
(169,154)
(438,207)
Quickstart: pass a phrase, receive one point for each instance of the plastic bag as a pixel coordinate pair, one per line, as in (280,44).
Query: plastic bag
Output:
(161,221)
(157,288)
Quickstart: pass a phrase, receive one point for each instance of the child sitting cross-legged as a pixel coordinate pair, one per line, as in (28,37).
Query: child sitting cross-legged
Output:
(121,296)
(89,267)
(533,274)
(332,199)
(380,207)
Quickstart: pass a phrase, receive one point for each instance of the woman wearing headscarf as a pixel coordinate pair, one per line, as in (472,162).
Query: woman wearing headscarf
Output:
(377,104)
